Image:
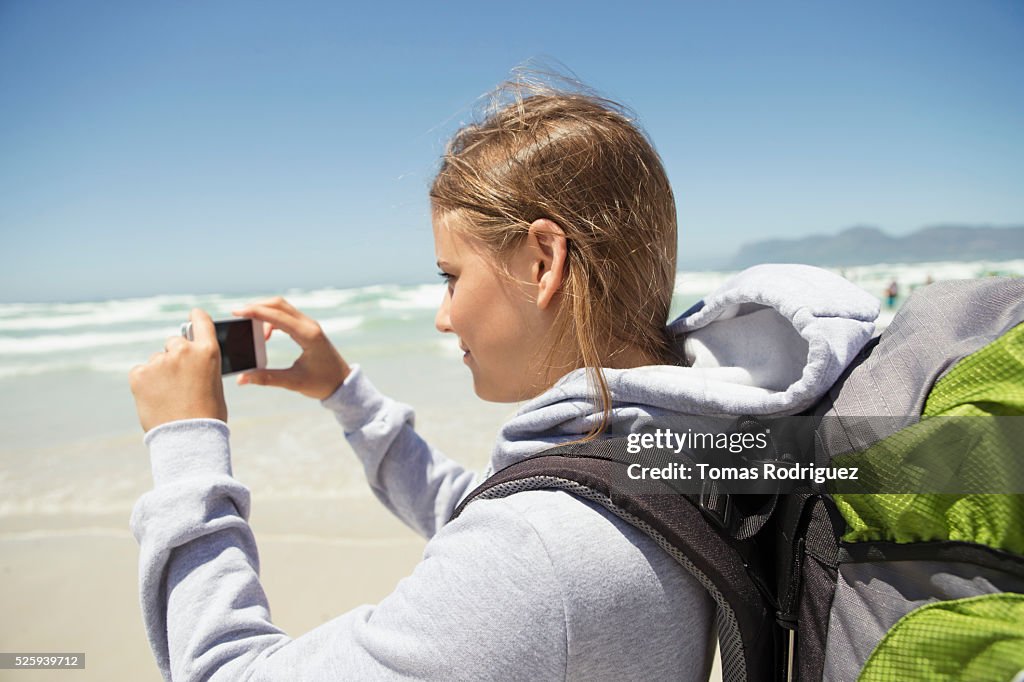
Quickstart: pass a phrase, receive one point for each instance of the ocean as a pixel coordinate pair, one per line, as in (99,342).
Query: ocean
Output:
(71,444)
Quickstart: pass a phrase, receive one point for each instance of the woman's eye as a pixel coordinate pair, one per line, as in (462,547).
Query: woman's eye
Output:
(448,278)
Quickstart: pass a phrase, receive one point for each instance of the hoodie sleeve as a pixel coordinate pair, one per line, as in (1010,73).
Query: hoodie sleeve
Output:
(484,603)
(415,481)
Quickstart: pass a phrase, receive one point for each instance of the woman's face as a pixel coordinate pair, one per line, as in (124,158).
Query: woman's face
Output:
(501,329)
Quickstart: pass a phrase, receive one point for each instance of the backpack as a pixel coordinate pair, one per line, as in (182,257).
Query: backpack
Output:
(913,569)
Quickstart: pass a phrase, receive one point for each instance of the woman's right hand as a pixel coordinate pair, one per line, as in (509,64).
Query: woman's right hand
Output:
(318,372)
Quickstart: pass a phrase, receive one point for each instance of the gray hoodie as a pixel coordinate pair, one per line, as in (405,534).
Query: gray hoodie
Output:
(538,585)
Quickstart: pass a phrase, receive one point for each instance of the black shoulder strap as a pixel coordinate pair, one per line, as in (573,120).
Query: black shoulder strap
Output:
(596,472)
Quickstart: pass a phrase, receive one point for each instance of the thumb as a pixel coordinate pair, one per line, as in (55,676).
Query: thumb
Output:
(283,378)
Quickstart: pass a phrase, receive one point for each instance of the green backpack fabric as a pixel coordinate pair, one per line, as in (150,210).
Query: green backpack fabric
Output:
(974,638)
(986,384)
(980,637)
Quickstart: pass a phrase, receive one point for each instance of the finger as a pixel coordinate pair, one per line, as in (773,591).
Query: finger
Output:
(244,312)
(174,342)
(264,327)
(203,331)
(296,325)
(283,378)
(136,377)
(276,302)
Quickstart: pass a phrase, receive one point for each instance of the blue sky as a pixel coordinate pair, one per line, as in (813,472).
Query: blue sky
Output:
(258,146)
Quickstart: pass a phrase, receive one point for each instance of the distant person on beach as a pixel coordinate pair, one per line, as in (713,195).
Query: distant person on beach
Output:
(555,235)
(892,292)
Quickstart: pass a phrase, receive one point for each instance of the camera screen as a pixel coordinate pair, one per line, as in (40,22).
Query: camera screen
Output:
(237,350)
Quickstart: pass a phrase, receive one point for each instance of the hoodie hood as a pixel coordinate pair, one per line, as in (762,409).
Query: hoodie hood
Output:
(770,341)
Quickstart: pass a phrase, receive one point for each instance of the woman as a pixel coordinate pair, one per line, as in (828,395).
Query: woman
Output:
(554,228)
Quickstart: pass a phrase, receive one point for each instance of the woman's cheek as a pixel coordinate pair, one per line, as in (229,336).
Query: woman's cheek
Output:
(460,314)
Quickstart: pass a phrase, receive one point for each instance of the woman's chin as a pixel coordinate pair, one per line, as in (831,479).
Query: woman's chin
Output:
(494,394)
(483,392)
(491,393)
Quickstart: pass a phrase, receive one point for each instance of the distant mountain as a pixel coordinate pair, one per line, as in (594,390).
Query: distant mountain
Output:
(865,245)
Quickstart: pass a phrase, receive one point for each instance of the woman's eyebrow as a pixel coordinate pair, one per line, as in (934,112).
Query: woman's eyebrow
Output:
(443,264)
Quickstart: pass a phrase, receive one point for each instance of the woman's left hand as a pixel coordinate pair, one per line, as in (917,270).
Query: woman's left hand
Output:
(184,381)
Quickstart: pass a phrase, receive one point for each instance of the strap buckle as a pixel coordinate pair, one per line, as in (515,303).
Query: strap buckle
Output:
(716,506)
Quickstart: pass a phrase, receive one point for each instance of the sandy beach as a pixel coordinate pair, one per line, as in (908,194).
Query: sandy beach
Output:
(76,589)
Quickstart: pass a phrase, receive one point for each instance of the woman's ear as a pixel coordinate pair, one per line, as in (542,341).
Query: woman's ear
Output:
(549,255)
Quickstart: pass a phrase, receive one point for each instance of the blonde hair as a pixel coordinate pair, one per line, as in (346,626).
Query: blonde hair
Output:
(581,161)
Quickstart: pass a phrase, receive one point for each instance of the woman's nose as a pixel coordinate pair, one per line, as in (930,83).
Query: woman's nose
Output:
(442,320)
